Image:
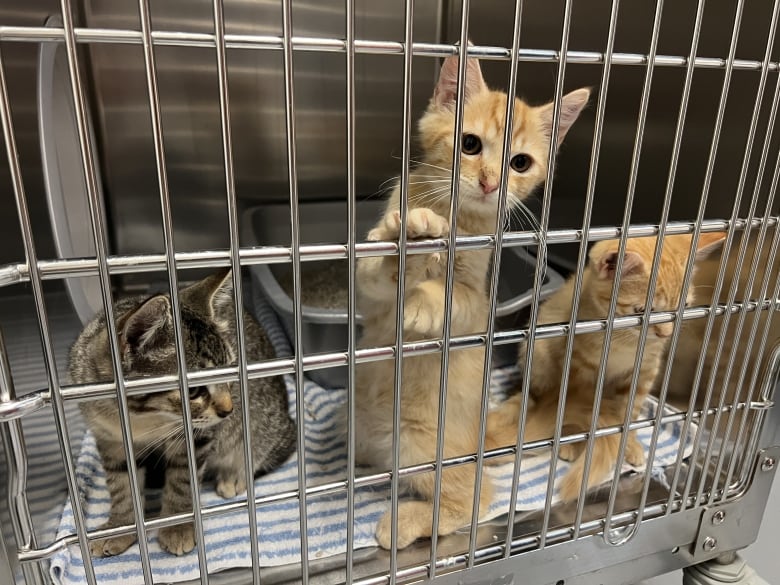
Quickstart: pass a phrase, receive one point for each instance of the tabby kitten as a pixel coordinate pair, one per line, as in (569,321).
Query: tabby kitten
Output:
(549,354)
(429,201)
(146,339)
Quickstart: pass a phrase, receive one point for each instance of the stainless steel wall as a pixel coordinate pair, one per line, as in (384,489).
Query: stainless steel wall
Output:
(20,65)
(190,112)
(189,100)
(542,29)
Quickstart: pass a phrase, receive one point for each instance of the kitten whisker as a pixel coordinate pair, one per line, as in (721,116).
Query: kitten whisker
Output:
(522,212)
(426,164)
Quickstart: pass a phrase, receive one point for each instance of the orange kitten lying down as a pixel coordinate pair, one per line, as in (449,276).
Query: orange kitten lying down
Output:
(548,356)
(429,201)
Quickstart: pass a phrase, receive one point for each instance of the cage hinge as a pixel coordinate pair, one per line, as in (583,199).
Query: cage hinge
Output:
(733,525)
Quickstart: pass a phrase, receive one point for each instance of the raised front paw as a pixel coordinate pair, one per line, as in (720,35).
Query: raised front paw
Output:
(109,547)
(177,540)
(231,485)
(421,222)
(422,314)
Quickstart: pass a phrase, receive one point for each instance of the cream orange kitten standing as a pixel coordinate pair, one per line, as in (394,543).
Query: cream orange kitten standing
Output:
(548,358)
(429,202)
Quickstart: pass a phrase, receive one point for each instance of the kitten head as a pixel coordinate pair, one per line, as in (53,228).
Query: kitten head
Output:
(147,345)
(635,279)
(482,140)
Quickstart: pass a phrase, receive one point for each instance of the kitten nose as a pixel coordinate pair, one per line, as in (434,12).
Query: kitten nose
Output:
(488,185)
(223,404)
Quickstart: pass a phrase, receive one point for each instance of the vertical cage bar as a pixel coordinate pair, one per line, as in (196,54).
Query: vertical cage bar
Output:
(173,281)
(351,290)
(738,386)
(752,385)
(12,435)
(12,438)
(450,277)
(238,293)
(769,382)
(744,244)
(636,153)
(656,264)
(708,330)
(292,177)
(539,272)
(694,239)
(58,405)
(399,308)
(502,213)
(583,247)
(735,281)
(540,267)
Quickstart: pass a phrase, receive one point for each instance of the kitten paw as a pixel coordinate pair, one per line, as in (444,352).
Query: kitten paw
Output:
(423,223)
(420,223)
(230,487)
(421,316)
(109,547)
(177,540)
(635,453)
(408,529)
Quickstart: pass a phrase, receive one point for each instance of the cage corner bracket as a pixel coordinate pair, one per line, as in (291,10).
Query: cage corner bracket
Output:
(734,525)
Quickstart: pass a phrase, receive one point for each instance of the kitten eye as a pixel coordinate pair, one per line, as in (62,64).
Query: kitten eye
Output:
(198,392)
(639,309)
(471,144)
(520,162)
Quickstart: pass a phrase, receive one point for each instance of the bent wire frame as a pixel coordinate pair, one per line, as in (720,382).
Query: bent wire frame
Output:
(745,410)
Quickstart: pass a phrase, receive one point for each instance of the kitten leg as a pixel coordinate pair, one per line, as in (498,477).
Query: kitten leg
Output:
(415,517)
(231,479)
(424,308)
(502,427)
(635,451)
(118,482)
(176,499)
(602,464)
(378,276)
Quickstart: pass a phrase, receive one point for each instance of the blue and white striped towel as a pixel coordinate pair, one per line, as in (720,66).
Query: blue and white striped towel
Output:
(227,536)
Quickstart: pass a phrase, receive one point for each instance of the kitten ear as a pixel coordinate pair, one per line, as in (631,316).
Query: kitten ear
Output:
(446,91)
(572,105)
(212,294)
(709,243)
(606,263)
(142,327)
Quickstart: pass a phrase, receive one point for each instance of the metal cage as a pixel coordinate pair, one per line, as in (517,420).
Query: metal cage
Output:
(130,97)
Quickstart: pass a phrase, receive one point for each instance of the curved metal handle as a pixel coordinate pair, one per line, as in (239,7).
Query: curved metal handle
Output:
(66,191)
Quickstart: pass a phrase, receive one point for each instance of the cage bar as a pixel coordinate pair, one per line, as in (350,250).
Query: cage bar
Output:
(450,276)
(501,214)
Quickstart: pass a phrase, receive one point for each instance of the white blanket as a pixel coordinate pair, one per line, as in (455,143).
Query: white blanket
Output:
(227,536)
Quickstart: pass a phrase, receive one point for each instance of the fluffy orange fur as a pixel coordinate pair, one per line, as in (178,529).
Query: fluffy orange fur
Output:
(548,357)
(429,201)
(689,347)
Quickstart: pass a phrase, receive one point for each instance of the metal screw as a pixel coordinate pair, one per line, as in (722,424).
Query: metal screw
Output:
(709,544)
(768,464)
(718,517)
